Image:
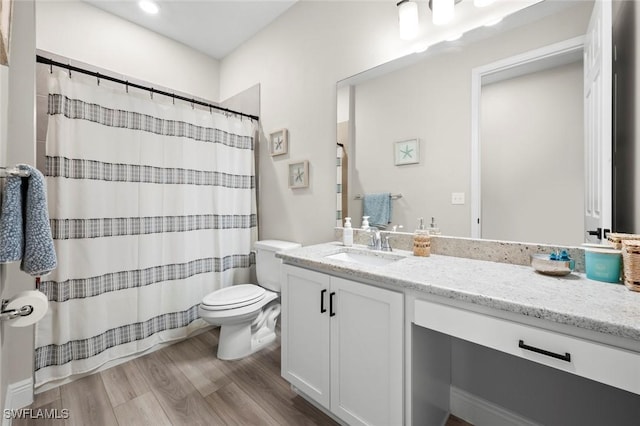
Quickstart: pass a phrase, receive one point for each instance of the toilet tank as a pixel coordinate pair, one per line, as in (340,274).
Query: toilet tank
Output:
(268,265)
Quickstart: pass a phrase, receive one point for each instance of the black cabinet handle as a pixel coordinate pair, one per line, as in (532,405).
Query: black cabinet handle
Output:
(331,312)
(565,357)
(322,308)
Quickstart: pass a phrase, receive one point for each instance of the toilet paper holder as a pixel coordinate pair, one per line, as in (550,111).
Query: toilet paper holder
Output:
(9,314)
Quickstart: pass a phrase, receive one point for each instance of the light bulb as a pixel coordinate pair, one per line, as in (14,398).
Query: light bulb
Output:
(408,19)
(148,6)
(442,11)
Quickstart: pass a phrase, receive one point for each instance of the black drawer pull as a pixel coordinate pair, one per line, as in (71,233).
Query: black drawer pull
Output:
(322,308)
(565,357)
(331,311)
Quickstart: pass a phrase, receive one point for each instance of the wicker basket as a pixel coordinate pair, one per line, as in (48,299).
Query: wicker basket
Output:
(615,239)
(631,264)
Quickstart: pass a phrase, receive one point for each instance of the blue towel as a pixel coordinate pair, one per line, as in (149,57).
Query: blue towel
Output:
(378,208)
(25,232)
(39,254)
(11,234)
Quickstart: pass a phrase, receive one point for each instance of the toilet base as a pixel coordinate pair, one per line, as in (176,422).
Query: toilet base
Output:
(240,340)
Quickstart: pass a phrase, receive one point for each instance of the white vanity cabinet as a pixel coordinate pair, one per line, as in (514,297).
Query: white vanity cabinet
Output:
(342,345)
(603,363)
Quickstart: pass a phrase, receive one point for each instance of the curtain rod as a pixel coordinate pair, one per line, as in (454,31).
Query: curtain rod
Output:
(51,62)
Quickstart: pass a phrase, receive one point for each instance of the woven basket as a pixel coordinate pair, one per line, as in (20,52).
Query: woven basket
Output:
(631,264)
(615,239)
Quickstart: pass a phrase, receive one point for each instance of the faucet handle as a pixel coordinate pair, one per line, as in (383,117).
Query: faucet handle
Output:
(386,244)
(372,239)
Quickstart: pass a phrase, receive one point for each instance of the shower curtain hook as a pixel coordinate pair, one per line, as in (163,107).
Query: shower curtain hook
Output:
(69,69)
(127,86)
(50,68)
(173,98)
(151,93)
(98,78)
(210,110)
(193,106)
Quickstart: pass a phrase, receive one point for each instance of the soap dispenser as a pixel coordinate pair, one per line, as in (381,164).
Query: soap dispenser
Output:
(347,233)
(421,240)
(365,222)
(433,228)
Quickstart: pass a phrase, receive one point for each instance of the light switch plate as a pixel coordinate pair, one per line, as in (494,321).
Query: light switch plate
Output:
(457,198)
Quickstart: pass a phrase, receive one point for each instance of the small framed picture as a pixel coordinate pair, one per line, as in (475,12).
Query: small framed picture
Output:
(407,152)
(299,174)
(279,142)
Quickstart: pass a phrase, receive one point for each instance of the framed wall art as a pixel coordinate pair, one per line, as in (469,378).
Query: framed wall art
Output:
(279,142)
(406,152)
(299,174)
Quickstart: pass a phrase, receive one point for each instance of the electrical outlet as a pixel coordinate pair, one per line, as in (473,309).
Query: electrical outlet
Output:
(457,198)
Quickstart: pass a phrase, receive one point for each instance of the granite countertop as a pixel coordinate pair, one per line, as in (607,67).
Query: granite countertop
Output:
(572,300)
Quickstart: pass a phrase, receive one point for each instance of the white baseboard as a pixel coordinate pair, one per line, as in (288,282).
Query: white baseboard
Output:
(480,412)
(19,395)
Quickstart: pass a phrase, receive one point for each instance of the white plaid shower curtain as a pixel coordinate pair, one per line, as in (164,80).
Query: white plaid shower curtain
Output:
(152,206)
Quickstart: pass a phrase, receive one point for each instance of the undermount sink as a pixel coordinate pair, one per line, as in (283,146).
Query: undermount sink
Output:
(365,258)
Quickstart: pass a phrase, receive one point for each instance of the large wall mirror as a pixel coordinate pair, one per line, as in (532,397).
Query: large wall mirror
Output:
(532,127)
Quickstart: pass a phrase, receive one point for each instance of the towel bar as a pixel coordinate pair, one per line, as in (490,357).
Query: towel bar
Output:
(393,196)
(14,171)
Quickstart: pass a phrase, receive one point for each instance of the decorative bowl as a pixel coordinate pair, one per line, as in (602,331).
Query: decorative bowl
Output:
(546,266)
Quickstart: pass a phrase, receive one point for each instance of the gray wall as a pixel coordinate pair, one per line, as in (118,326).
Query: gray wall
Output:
(626,155)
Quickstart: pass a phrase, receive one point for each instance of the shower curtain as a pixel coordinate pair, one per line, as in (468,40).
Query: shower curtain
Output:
(152,206)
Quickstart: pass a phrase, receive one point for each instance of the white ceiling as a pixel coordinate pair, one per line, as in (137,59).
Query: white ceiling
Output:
(214,27)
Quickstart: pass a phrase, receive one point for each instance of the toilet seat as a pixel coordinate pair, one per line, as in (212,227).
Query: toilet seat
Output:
(236,296)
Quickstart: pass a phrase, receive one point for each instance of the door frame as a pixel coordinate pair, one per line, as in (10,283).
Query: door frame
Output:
(546,57)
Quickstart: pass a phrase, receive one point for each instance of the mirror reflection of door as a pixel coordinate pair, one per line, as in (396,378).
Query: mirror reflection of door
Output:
(531,156)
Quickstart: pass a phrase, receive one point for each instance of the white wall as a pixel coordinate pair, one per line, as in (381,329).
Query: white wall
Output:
(297,60)
(82,32)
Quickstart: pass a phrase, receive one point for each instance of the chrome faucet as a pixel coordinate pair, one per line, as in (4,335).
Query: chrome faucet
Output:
(375,243)
(377,240)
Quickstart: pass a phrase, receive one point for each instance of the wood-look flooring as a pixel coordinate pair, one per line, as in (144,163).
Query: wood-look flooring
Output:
(184,384)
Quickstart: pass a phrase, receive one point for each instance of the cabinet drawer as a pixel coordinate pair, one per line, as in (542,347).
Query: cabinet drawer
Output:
(606,364)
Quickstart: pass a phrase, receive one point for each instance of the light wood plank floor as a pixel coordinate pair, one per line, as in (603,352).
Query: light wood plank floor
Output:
(185,384)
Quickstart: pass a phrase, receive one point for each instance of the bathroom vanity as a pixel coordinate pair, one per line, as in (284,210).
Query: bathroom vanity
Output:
(370,336)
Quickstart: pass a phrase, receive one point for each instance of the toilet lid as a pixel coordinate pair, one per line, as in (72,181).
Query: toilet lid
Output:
(233,297)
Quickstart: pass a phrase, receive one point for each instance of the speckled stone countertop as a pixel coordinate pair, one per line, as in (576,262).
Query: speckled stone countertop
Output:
(572,300)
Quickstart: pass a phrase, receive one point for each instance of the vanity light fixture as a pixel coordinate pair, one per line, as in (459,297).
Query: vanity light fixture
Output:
(442,11)
(148,6)
(408,19)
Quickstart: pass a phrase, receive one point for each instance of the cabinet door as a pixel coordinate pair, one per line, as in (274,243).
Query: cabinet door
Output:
(305,332)
(366,354)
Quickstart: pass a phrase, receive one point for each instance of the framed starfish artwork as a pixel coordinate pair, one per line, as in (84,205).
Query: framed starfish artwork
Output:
(279,142)
(299,174)
(407,152)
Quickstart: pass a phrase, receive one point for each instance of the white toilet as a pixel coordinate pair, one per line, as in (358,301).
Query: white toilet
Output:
(247,313)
